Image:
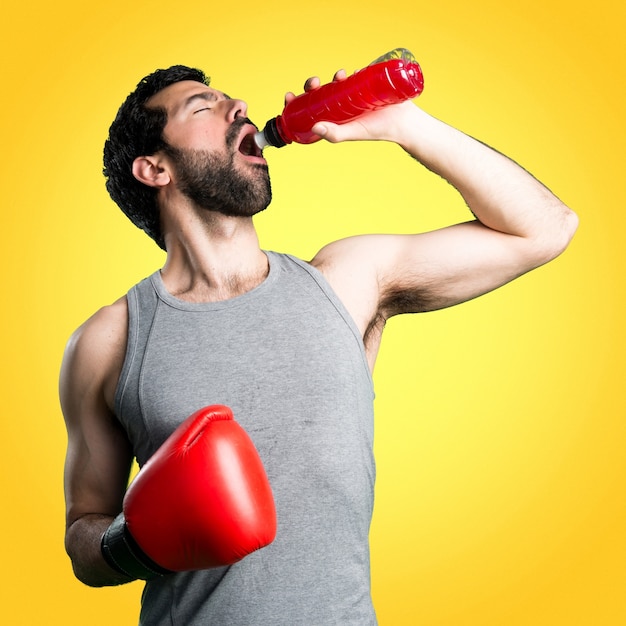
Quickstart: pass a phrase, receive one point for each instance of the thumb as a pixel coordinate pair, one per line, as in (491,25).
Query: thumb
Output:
(329,131)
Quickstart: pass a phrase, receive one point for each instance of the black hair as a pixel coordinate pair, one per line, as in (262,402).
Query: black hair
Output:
(138,131)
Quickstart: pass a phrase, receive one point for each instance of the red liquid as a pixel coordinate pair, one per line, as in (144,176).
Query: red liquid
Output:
(373,87)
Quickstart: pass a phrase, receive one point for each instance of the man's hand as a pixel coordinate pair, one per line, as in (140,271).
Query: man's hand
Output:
(385,124)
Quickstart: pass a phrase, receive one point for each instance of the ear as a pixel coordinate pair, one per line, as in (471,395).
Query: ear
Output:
(150,171)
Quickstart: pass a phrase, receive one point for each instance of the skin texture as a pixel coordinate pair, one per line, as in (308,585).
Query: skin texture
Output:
(518,225)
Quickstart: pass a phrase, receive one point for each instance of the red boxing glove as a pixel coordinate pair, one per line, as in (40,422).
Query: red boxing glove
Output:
(202,500)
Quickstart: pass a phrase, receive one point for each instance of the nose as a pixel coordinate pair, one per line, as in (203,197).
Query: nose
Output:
(236,108)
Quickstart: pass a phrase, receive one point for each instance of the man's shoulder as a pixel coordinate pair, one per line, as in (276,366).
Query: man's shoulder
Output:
(349,258)
(104,325)
(96,348)
(349,267)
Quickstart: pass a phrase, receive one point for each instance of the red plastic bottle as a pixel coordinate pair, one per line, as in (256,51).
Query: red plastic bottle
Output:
(394,77)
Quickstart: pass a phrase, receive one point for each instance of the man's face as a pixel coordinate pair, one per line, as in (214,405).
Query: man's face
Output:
(215,161)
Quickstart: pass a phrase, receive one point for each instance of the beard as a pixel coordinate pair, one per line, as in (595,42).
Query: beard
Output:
(213,182)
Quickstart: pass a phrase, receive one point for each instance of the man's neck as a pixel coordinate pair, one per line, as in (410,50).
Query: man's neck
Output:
(216,260)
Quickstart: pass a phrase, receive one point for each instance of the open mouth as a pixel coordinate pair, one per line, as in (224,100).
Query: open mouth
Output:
(247,145)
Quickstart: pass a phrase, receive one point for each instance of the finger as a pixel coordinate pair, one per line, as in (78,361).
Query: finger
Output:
(289,96)
(340,75)
(311,83)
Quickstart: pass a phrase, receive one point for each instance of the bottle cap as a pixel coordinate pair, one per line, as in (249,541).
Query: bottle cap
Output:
(270,136)
(260,140)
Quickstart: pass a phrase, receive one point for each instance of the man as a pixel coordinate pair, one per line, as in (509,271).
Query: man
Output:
(288,345)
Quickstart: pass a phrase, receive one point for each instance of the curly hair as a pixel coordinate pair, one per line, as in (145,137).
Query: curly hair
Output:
(138,131)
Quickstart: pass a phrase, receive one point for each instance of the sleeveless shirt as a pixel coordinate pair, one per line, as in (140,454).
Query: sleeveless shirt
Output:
(290,362)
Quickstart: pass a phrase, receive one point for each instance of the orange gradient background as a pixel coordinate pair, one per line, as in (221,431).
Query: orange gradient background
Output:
(500,436)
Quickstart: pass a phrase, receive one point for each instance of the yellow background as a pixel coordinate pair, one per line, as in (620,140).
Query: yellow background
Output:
(500,423)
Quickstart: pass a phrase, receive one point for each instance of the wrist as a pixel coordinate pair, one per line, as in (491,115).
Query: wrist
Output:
(123,554)
(405,125)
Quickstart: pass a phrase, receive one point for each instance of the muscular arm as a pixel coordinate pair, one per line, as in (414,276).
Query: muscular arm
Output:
(98,456)
(519,224)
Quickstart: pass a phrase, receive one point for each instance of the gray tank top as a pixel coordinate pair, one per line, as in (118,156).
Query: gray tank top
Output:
(290,362)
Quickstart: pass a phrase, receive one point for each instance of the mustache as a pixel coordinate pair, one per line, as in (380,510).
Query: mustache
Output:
(235,128)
